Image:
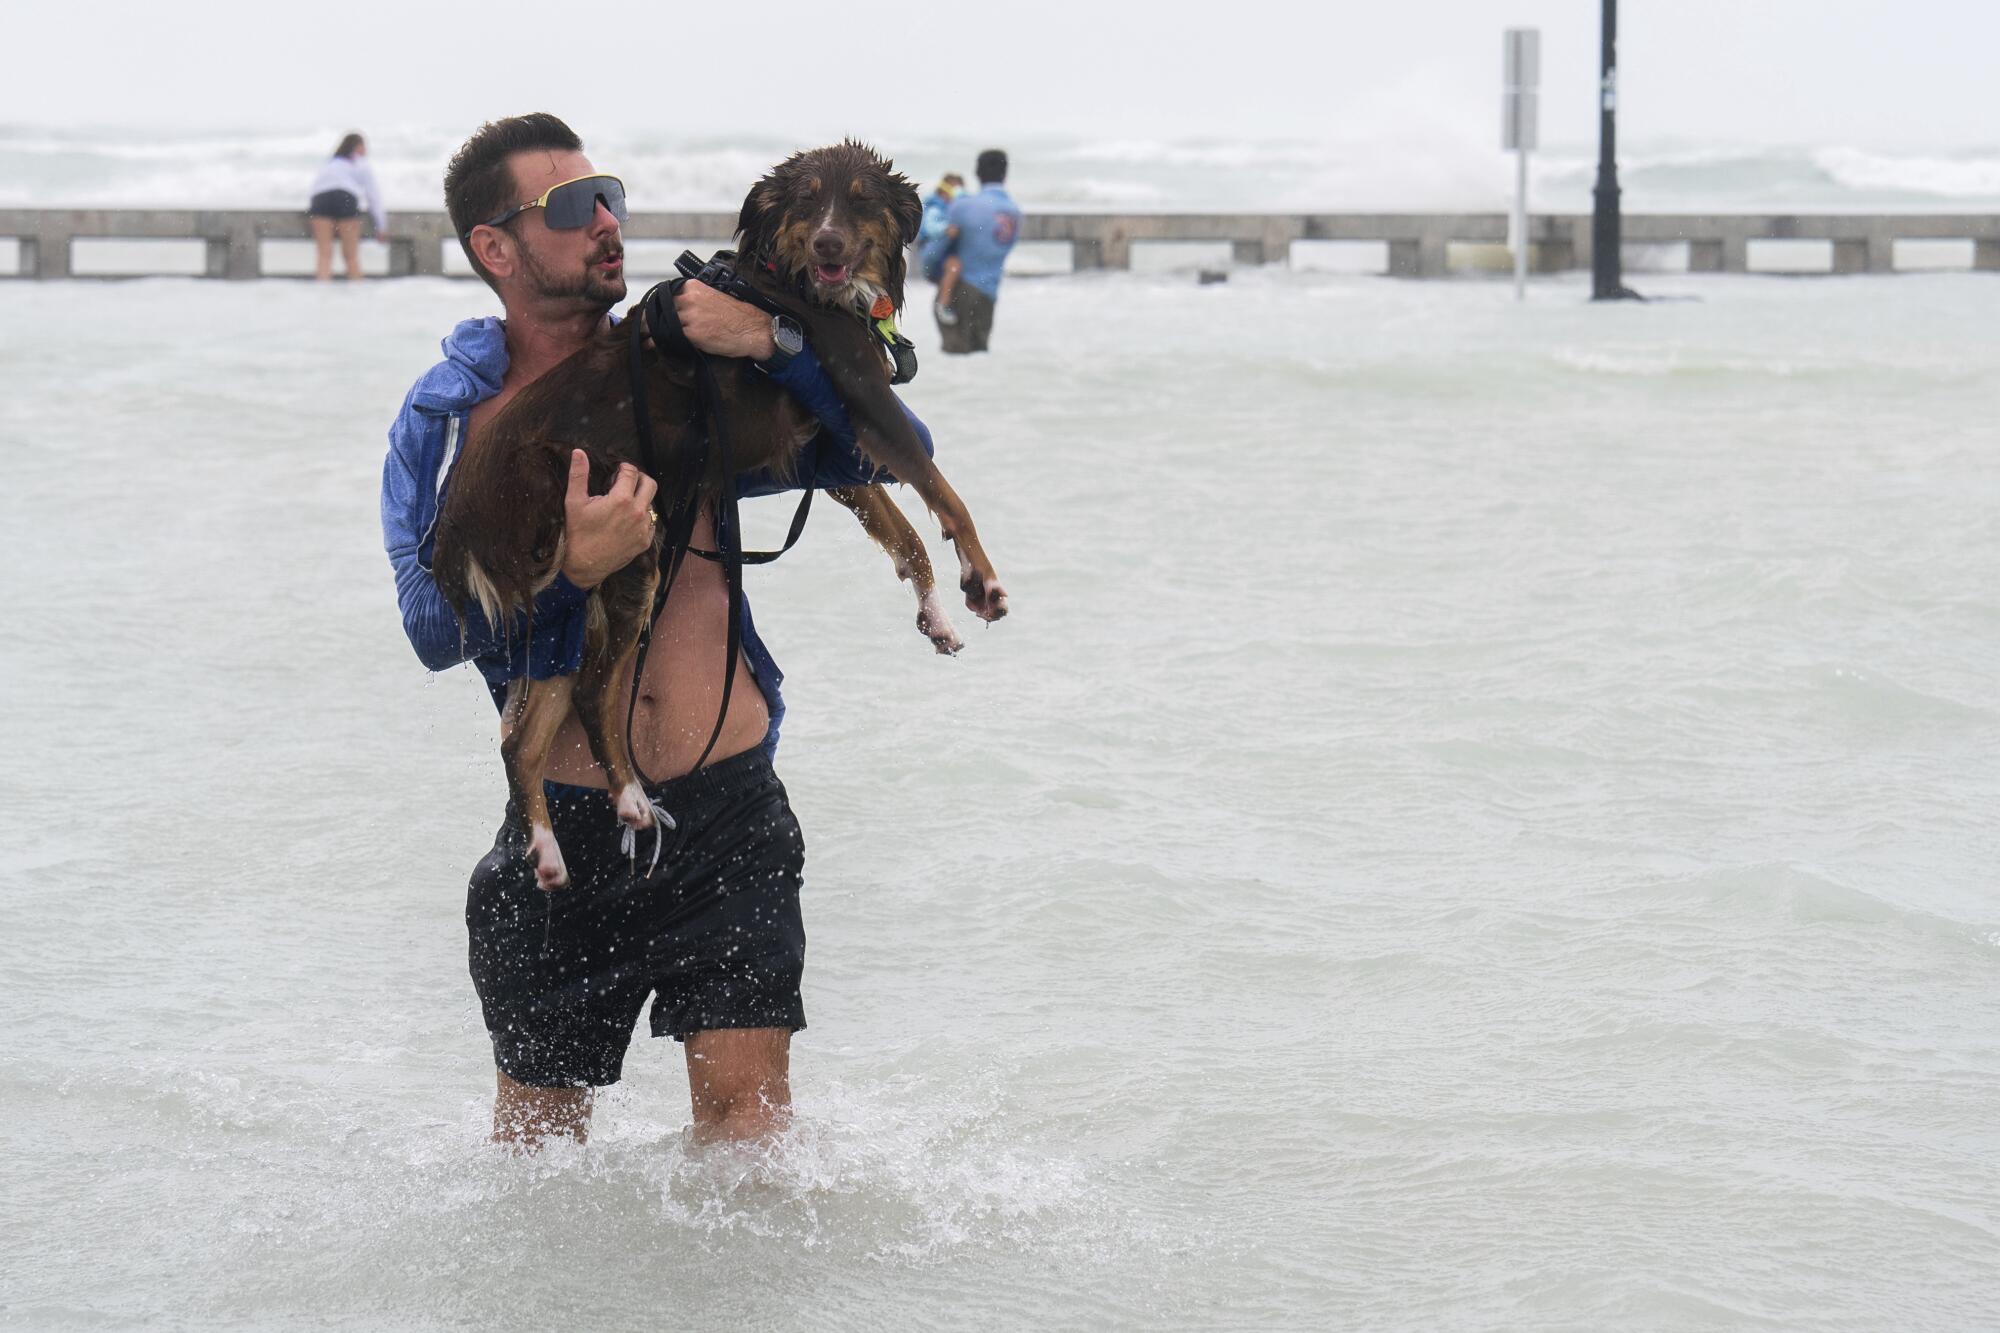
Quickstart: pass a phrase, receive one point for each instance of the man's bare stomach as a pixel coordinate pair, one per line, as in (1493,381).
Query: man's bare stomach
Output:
(672,720)
(680,690)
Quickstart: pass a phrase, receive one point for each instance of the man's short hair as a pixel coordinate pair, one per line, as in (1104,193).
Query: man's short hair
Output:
(992,168)
(479,184)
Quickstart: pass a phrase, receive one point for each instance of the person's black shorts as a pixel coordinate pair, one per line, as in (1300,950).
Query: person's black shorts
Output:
(714,936)
(974,309)
(336,204)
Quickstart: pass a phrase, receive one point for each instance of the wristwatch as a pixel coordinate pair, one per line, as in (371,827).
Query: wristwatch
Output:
(787,341)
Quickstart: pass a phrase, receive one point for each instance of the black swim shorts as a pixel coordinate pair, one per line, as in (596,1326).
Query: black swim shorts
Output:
(713,937)
(336,204)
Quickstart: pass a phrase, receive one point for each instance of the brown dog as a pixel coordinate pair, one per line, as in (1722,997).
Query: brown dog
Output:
(823,235)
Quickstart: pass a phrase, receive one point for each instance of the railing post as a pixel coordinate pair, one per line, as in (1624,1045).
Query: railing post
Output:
(50,247)
(427,252)
(232,246)
(1273,247)
(1704,256)
(1550,248)
(1086,252)
(1425,257)
(1115,248)
(1986,256)
(215,244)
(1875,253)
(1581,234)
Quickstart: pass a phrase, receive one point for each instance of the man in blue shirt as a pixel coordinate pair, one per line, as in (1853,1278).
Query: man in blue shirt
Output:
(980,229)
(714,936)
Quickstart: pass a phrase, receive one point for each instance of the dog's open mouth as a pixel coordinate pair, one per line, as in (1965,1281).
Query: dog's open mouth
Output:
(832,274)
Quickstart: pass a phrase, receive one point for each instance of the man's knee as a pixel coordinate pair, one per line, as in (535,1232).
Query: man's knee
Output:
(739,1074)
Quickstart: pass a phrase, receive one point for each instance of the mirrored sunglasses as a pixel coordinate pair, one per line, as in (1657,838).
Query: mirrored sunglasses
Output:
(573,203)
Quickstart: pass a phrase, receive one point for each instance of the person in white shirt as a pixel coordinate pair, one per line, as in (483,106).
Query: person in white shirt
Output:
(343,187)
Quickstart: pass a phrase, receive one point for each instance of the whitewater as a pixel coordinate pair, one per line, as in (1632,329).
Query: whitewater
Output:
(1482,816)
(1429,164)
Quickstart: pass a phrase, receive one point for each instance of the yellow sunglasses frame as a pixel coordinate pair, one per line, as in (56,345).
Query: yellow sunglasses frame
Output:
(543,200)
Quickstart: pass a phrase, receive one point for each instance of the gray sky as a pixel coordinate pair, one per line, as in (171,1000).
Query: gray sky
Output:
(1909,74)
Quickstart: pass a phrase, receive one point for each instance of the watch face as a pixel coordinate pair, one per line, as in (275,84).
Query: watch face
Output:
(787,335)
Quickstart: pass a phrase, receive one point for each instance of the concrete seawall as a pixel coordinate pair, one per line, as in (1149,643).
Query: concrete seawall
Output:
(1418,244)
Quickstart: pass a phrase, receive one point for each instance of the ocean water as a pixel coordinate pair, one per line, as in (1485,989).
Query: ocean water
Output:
(1423,166)
(1482,816)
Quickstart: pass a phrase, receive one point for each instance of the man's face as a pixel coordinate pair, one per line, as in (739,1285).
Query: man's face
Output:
(585,265)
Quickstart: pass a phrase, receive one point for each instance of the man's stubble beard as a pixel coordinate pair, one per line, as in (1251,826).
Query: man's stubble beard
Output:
(588,290)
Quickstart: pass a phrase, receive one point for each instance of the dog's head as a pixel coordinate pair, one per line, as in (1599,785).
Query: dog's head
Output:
(834,221)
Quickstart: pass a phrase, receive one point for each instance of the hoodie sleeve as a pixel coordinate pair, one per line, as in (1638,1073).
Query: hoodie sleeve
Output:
(804,378)
(831,458)
(430,623)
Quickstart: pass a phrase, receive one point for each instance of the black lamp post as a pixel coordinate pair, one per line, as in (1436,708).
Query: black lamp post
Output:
(1607,281)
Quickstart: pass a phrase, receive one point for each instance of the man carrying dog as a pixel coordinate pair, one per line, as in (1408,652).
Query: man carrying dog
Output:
(713,937)
(969,256)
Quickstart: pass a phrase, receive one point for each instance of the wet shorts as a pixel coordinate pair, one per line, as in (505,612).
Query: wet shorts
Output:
(713,936)
(336,204)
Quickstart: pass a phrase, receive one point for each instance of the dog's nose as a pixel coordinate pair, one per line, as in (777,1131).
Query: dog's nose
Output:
(829,247)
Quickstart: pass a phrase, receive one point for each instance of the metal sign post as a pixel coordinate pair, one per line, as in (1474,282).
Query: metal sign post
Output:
(1521,132)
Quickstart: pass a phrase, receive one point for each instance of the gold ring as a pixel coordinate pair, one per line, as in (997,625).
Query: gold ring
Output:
(653,514)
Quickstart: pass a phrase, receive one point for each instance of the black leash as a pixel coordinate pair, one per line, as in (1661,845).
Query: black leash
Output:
(662,323)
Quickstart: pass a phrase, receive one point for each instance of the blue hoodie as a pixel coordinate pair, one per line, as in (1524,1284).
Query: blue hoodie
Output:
(423,444)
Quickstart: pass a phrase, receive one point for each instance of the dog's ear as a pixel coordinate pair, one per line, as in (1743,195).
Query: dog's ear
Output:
(908,208)
(757,224)
(896,270)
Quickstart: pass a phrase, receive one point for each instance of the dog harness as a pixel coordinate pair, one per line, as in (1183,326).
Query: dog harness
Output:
(720,273)
(902,352)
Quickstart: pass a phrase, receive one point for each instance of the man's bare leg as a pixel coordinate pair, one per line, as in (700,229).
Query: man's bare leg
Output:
(739,1082)
(524,1115)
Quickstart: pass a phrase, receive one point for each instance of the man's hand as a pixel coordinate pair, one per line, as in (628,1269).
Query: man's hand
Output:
(722,325)
(602,533)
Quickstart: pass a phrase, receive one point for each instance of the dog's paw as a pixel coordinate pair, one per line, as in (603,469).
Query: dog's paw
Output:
(547,858)
(984,596)
(634,810)
(935,624)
